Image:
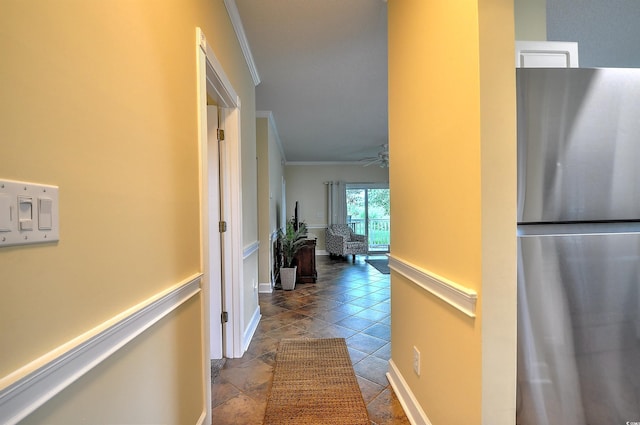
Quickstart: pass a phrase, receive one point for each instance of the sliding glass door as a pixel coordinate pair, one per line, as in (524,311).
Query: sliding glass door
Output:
(368,214)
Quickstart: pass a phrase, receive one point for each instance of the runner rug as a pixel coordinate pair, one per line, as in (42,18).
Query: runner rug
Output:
(314,383)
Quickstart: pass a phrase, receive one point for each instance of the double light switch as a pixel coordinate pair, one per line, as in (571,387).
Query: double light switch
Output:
(28,213)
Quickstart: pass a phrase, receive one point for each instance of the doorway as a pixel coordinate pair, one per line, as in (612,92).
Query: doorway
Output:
(368,213)
(221,252)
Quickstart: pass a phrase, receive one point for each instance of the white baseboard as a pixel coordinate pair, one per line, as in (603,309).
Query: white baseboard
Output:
(28,388)
(251,329)
(264,288)
(202,418)
(321,252)
(411,407)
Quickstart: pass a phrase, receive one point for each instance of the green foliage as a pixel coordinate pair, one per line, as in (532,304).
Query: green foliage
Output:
(291,241)
(379,203)
(379,199)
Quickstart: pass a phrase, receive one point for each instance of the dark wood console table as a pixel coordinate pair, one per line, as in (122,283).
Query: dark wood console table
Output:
(305,259)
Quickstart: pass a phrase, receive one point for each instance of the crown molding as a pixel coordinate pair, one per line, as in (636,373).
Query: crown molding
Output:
(234,15)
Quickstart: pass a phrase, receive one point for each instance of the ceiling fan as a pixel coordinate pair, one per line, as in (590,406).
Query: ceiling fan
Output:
(382,159)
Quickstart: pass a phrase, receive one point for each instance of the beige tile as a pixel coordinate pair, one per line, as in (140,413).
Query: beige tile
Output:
(239,410)
(222,392)
(262,344)
(248,375)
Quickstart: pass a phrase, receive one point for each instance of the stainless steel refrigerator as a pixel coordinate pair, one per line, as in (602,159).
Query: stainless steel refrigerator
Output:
(579,246)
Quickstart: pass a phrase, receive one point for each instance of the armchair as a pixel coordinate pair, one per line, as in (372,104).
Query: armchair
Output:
(340,240)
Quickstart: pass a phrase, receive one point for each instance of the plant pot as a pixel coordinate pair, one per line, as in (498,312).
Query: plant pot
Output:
(288,277)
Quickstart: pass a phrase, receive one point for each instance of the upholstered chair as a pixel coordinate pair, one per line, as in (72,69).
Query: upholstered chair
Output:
(341,240)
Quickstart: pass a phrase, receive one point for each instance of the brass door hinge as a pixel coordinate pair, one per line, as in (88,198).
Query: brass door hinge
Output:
(220,134)
(222,226)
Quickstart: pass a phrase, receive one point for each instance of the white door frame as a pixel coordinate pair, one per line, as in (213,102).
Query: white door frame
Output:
(212,252)
(213,82)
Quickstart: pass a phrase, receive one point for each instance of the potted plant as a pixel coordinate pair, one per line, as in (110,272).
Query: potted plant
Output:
(290,242)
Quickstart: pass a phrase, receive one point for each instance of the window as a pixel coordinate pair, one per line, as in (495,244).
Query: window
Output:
(368,213)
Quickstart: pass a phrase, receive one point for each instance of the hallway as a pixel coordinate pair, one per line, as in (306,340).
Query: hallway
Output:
(350,301)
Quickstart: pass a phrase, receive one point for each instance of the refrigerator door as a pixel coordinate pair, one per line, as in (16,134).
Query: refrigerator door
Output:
(578,329)
(578,144)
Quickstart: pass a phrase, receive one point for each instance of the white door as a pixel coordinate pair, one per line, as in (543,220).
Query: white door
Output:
(215,252)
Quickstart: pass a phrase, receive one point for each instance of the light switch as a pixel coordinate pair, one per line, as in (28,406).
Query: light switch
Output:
(28,213)
(45,218)
(5,213)
(25,212)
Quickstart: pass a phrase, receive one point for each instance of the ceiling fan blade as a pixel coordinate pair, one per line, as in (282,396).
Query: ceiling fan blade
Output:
(374,161)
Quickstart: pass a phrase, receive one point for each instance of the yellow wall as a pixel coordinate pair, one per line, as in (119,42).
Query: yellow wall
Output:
(264,228)
(270,172)
(99,98)
(101,397)
(497,307)
(452,175)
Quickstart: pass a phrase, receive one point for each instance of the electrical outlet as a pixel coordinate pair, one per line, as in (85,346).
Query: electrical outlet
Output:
(416,360)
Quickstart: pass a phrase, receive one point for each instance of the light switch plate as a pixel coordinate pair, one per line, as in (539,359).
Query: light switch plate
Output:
(24,217)
(6,213)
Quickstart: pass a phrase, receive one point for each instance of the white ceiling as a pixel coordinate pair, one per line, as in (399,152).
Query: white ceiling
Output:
(323,72)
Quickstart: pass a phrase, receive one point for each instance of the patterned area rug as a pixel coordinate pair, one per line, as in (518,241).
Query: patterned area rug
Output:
(381,265)
(314,383)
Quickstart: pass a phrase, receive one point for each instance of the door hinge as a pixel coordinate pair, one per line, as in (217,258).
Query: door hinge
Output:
(220,134)
(225,317)
(222,226)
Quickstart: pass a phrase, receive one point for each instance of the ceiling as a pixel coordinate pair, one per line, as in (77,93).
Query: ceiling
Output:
(323,74)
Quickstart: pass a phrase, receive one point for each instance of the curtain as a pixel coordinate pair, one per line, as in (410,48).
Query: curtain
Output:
(336,202)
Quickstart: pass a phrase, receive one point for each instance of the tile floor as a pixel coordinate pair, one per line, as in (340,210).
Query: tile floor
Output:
(350,301)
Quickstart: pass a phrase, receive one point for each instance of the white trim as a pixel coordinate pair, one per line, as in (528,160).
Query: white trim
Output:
(209,302)
(231,193)
(375,185)
(203,416)
(220,84)
(250,249)
(29,387)
(409,403)
(563,50)
(272,122)
(312,227)
(317,226)
(251,329)
(232,214)
(460,297)
(321,252)
(265,288)
(234,16)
